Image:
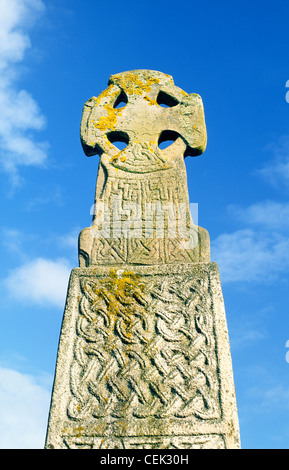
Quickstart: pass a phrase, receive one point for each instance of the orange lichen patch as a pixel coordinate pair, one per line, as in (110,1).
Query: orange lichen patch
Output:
(109,121)
(152,144)
(134,84)
(123,294)
(150,101)
(123,287)
(115,157)
(79,431)
(107,93)
(122,156)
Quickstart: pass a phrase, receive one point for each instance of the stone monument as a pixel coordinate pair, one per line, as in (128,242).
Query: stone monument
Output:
(144,358)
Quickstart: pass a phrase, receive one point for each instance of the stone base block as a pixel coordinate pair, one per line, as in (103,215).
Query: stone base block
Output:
(144,361)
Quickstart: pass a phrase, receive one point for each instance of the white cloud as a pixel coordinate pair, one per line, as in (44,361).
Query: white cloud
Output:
(244,334)
(272,215)
(12,240)
(24,406)
(276,171)
(20,115)
(260,251)
(69,240)
(250,255)
(16,17)
(40,281)
(267,393)
(48,196)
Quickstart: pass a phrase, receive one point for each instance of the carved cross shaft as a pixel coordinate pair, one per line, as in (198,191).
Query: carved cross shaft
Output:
(141,109)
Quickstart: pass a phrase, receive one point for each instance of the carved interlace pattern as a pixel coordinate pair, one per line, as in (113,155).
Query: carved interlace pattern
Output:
(144,348)
(201,441)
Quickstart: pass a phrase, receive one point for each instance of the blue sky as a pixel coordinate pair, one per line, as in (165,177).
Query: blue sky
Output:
(56,55)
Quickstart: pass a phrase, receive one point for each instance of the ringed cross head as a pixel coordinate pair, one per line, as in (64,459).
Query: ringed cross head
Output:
(143,108)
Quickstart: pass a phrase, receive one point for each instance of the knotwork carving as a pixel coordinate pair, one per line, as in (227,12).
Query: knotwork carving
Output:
(144,348)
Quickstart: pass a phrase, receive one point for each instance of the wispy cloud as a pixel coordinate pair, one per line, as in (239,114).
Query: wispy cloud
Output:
(40,281)
(276,170)
(70,239)
(244,334)
(12,240)
(251,256)
(271,215)
(259,252)
(24,406)
(49,196)
(20,115)
(268,393)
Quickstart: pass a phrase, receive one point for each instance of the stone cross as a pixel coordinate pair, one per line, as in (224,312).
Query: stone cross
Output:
(144,358)
(141,199)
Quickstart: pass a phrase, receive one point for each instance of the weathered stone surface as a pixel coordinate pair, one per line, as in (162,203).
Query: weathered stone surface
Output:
(141,184)
(144,358)
(144,361)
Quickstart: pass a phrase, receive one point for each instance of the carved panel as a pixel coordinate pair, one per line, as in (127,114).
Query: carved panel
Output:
(144,348)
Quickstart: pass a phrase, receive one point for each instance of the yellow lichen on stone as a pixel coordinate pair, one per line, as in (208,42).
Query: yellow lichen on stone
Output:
(107,93)
(121,293)
(115,157)
(79,431)
(150,101)
(151,145)
(109,121)
(133,84)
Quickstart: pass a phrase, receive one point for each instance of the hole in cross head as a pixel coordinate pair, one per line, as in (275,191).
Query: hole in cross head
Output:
(192,152)
(121,100)
(119,139)
(167,138)
(166,101)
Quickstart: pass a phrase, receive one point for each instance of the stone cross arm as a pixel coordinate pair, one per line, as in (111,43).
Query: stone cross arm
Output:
(144,107)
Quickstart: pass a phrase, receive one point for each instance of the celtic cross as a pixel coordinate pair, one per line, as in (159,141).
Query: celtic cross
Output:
(141,192)
(144,358)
